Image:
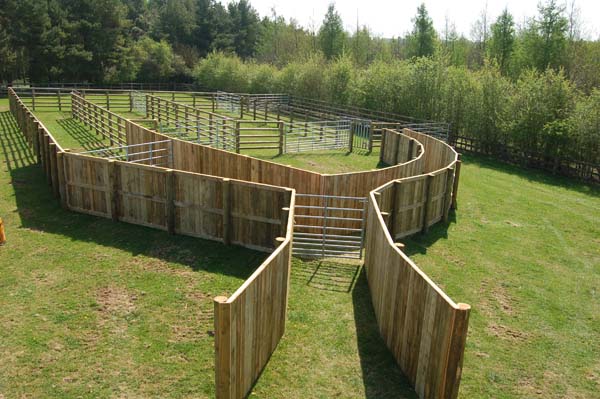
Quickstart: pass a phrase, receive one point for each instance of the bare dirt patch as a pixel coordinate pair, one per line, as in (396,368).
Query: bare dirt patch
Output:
(507,333)
(156,265)
(499,297)
(115,300)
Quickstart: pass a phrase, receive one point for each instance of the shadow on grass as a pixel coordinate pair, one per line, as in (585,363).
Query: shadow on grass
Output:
(84,136)
(418,243)
(40,211)
(382,378)
(326,276)
(532,175)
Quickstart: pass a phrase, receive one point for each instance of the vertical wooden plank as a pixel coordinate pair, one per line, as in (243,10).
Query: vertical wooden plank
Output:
(448,193)
(427,203)
(226,188)
(170,200)
(222,319)
(456,178)
(114,186)
(62,185)
(457,350)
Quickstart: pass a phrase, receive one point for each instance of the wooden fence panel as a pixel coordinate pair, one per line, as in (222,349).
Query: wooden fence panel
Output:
(198,205)
(250,324)
(87,183)
(423,328)
(142,195)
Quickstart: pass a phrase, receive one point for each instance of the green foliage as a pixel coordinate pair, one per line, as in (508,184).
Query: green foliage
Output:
(331,34)
(422,40)
(220,72)
(503,39)
(541,113)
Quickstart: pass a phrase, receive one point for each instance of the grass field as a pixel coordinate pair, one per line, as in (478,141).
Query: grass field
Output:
(92,308)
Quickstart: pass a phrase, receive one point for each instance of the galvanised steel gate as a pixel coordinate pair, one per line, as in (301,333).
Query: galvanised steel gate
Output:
(329,226)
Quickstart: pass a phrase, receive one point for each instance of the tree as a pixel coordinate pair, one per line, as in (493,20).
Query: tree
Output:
(421,42)
(331,34)
(480,34)
(551,28)
(503,39)
(245,28)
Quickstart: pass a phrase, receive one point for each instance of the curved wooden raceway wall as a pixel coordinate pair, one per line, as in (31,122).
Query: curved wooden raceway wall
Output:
(423,328)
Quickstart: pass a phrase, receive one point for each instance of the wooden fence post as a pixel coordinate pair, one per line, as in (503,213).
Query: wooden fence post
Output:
(33,99)
(222,318)
(285,212)
(458,339)
(427,203)
(351,136)
(226,211)
(383,144)
(59,102)
(170,200)
(370,148)
(456,178)
(394,189)
(113,189)
(41,152)
(47,165)
(397,149)
(281,137)
(237,137)
(448,193)
(411,149)
(62,181)
(54,170)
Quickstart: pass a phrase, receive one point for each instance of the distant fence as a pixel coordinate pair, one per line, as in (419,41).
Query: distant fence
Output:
(423,328)
(508,153)
(110,125)
(248,325)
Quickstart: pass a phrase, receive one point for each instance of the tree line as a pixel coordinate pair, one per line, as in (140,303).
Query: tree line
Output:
(533,85)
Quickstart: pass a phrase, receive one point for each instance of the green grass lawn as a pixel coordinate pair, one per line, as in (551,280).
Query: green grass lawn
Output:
(92,308)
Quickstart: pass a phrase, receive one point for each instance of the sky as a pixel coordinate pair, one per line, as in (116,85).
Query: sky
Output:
(392,18)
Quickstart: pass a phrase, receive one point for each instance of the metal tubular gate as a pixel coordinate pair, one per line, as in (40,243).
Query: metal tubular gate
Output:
(329,226)
(216,133)
(155,153)
(314,136)
(138,102)
(229,101)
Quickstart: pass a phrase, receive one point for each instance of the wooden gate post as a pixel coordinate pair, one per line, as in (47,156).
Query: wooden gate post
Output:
(448,193)
(281,138)
(222,318)
(456,178)
(427,203)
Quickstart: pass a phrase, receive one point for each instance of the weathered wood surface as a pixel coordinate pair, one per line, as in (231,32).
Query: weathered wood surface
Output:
(39,139)
(250,323)
(423,328)
(142,194)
